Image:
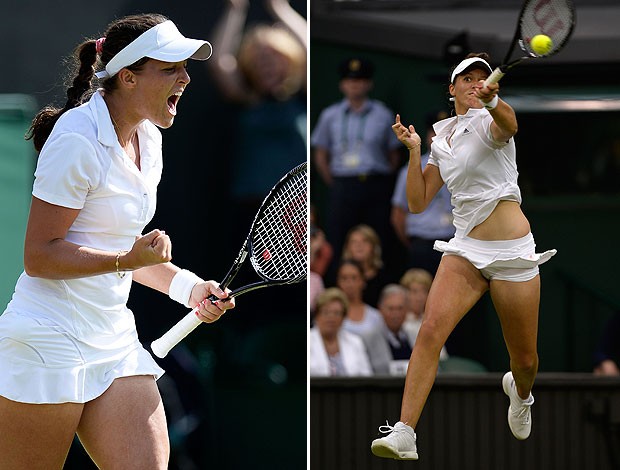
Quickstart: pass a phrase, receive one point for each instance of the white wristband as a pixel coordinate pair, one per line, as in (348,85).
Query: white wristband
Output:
(181,286)
(491,104)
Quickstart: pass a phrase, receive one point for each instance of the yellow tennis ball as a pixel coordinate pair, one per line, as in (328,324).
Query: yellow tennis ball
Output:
(541,44)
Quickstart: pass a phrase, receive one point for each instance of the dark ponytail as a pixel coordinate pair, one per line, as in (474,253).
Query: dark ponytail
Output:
(43,123)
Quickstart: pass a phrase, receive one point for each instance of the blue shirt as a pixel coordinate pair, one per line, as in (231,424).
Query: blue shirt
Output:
(436,220)
(358,142)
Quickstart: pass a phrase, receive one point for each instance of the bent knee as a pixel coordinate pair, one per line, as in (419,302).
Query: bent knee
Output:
(432,335)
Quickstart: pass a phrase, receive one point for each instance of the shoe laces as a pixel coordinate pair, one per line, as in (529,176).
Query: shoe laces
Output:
(386,428)
(522,413)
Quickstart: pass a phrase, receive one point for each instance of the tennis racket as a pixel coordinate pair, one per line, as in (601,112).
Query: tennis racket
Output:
(554,18)
(276,246)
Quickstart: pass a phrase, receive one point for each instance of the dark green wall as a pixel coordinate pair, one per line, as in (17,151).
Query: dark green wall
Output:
(16,168)
(463,424)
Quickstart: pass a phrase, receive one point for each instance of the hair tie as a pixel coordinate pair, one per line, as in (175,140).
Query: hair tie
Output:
(99,45)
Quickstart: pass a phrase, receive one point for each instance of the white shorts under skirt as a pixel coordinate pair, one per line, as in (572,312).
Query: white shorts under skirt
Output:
(505,260)
(43,364)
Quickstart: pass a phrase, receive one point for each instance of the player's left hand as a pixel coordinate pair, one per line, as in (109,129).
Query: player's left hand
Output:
(407,135)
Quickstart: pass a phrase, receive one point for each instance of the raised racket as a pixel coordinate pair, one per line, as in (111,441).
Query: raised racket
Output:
(276,247)
(553,18)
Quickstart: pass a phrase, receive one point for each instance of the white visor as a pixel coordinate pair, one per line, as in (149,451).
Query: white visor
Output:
(468,63)
(162,42)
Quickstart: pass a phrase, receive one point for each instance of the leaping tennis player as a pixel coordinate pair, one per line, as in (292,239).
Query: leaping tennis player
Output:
(70,357)
(493,249)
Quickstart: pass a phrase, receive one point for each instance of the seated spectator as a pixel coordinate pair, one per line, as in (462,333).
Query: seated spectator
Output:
(393,308)
(418,284)
(315,279)
(316,287)
(364,246)
(334,351)
(363,319)
(322,251)
(607,355)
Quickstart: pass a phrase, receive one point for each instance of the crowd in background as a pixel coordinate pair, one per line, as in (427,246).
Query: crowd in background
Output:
(372,263)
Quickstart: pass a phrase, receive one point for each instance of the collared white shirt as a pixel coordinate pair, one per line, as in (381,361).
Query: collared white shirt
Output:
(82,166)
(352,354)
(478,171)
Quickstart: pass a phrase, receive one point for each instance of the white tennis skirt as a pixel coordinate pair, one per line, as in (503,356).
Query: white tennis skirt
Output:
(502,259)
(41,363)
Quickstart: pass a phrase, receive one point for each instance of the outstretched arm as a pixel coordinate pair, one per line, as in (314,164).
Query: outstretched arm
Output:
(227,38)
(504,124)
(282,11)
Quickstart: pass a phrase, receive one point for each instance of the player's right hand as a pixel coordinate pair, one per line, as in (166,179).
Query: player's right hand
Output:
(153,248)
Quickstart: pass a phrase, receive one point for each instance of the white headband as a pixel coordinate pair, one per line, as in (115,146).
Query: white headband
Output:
(467,63)
(162,42)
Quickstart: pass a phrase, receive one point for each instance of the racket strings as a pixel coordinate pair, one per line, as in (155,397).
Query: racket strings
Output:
(553,18)
(279,241)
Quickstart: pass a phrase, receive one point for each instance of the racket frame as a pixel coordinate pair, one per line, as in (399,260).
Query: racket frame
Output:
(517,38)
(190,321)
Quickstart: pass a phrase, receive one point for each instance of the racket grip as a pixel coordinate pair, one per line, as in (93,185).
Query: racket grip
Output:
(495,77)
(162,346)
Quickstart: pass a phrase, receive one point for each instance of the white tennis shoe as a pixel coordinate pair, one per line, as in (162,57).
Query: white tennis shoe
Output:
(399,443)
(519,411)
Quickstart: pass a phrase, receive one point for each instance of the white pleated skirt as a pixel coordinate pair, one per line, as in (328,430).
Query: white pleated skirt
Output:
(502,259)
(41,363)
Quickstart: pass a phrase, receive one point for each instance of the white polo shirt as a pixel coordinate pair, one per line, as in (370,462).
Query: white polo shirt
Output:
(82,166)
(477,170)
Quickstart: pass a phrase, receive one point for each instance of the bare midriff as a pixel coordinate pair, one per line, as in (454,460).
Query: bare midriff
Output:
(506,222)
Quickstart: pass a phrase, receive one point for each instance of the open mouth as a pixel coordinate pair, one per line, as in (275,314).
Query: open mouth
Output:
(172,103)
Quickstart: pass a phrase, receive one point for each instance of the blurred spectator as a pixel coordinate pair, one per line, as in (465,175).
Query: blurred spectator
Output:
(267,61)
(334,351)
(322,251)
(418,232)
(362,319)
(393,308)
(418,284)
(356,154)
(316,288)
(607,355)
(315,280)
(264,70)
(363,245)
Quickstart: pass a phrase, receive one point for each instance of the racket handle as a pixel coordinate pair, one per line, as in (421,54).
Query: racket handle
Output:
(495,77)
(162,346)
